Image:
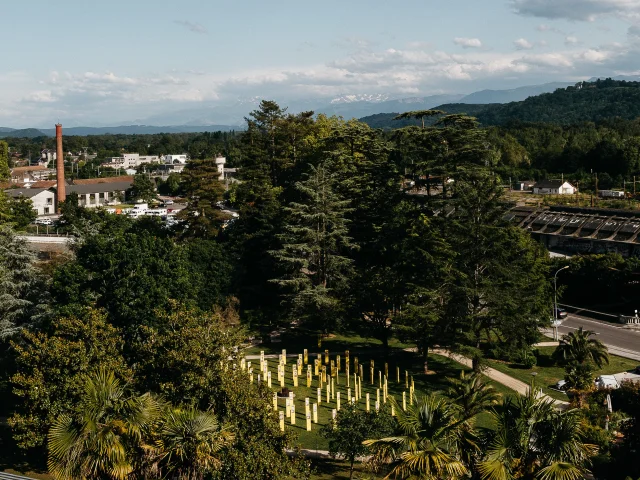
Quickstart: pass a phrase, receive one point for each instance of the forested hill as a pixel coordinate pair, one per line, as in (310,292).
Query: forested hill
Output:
(584,102)
(386,120)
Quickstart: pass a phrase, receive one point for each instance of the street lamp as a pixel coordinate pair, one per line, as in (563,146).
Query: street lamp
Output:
(555,302)
(533,380)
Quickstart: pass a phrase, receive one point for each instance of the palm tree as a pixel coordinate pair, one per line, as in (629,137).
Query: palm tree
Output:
(429,441)
(471,394)
(190,443)
(534,440)
(102,440)
(579,348)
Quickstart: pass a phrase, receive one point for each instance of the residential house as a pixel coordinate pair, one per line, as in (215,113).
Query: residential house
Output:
(553,187)
(524,185)
(31,174)
(97,194)
(43,199)
(175,159)
(131,160)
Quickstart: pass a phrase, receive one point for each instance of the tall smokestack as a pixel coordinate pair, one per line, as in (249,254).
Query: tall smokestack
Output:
(59,167)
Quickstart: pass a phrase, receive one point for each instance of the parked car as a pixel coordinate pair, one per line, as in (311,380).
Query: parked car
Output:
(637,370)
(43,221)
(168,202)
(606,381)
(562,313)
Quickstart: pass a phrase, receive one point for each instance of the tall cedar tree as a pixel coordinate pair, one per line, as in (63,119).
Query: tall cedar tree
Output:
(24,295)
(203,189)
(501,291)
(142,189)
(5,173)
(275,148)
(314,250)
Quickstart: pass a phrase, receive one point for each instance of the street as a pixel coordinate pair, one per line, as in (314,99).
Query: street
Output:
(621,341)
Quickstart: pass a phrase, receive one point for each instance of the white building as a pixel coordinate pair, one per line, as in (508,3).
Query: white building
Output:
(132,160)
(175,159)
(43,199)
(31,174)
(553,187)
(99,194)
(220,161)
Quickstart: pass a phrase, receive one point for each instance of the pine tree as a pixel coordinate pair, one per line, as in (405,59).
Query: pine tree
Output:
(204,191)
(315,249)
(5,173)
(23,293)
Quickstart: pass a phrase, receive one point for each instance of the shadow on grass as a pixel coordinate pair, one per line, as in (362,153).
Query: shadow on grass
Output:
(328,468)
(17,460)
(296,340)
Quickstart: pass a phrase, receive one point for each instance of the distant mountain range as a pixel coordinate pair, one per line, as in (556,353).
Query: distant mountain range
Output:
(587,102)
(513,95)
(119,130)
(207,116)
(21,132)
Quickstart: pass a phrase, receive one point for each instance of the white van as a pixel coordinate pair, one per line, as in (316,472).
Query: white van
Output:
(606,381)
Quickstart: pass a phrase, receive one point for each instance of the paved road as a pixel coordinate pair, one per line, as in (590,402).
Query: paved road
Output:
(620,340)
(9,476)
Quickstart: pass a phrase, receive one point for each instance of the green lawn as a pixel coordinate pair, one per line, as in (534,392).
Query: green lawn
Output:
(327,469)
(436,382)
(548,373)
(293,339)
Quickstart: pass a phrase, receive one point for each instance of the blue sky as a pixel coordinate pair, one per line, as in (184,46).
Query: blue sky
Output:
(97,63)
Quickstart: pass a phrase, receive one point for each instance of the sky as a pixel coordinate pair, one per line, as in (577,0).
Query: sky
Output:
(102,63)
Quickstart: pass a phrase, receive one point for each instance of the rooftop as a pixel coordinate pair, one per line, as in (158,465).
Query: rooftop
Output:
(99,187)
(549,184)
(33,168)
(93,181)
(24,192)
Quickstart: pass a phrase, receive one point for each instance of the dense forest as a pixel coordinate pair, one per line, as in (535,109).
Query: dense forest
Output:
(568,139)
(584,102)
(328,241)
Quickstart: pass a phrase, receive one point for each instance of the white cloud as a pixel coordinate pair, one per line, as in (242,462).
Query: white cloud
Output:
(595,56)
(571,40)
(548,28)
(547,60)
(467,42)
(523,44)
(93,97)
(581,10)
(419,45)
(351,43)
(194,27)
(41,96)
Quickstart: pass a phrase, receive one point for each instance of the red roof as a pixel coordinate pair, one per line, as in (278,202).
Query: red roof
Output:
(93,181)
(28,169)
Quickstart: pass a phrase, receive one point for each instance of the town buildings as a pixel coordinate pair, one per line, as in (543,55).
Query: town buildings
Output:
(553,187)
(92,193)
(43,199)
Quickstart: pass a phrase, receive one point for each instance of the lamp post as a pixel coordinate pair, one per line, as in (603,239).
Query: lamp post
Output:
(555,302)
(533,381)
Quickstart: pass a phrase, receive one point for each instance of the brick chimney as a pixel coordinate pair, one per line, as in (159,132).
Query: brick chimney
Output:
(60,187)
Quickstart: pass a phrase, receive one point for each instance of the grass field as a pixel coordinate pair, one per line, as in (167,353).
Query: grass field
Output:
(295,340)
(434,382)
(548,373)
(328,469)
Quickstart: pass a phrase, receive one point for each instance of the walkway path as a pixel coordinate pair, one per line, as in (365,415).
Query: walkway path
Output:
(497,376)
(10,476)
(514,384)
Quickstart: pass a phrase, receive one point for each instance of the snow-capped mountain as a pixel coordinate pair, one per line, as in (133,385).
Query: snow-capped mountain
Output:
(361,97)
